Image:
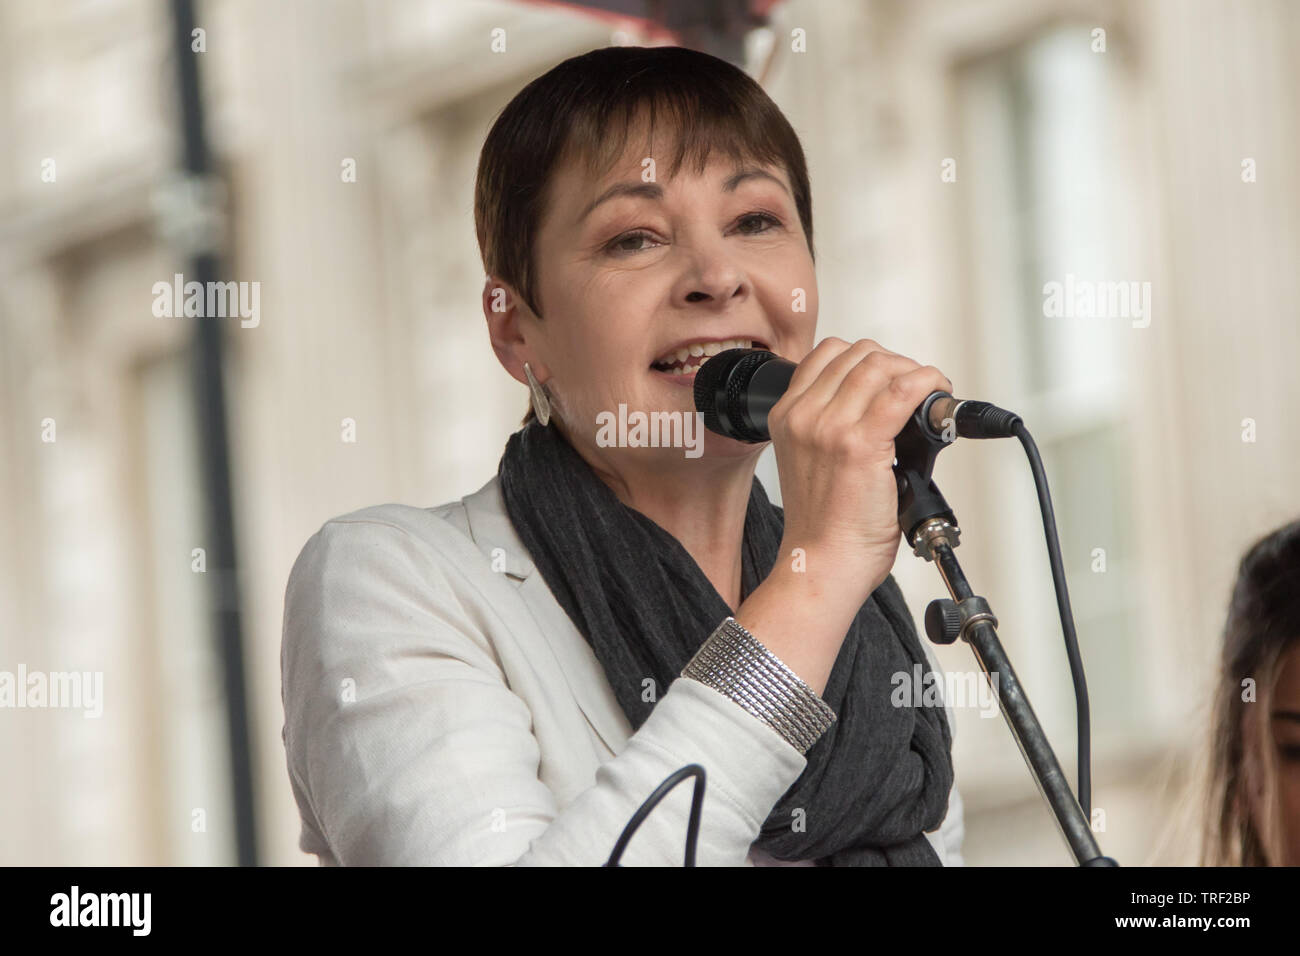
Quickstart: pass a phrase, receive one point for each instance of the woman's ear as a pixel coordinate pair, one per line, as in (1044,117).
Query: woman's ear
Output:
(507,317)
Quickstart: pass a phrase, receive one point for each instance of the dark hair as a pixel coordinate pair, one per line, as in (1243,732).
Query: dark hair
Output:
(586,107)
(1263,623)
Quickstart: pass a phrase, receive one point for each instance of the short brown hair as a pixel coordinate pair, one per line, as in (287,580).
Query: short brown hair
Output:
(586,107)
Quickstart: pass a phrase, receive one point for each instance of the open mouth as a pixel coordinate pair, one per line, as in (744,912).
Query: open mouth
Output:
(688,359)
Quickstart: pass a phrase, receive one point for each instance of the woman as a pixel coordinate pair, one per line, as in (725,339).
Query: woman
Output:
(506,678)
(1253,812)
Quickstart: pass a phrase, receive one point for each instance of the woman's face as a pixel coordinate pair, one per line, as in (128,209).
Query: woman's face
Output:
(1286,737)
(630,271)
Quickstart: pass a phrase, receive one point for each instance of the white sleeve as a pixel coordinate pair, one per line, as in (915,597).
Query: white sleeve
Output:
(405,745)
(953,829)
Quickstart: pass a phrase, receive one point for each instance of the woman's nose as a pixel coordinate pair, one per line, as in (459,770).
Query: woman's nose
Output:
(713,276)
(701,296)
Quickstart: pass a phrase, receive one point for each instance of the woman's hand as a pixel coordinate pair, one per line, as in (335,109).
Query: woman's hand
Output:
(833,432)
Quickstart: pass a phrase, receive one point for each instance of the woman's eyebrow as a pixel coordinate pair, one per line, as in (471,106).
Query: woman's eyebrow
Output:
(750,173)
(1287,715)
(656,192)
(648,190)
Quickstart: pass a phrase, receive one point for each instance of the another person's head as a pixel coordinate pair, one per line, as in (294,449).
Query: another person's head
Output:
(707,236)
(1253,816)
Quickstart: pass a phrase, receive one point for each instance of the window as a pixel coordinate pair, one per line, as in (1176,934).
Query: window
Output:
(1043,180)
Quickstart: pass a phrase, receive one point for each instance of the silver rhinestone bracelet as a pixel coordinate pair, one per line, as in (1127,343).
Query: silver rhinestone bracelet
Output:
(736,664)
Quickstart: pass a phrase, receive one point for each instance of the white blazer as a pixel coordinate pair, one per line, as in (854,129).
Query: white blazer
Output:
(441,709)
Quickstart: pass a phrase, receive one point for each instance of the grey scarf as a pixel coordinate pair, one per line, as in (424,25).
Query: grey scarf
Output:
(875,780)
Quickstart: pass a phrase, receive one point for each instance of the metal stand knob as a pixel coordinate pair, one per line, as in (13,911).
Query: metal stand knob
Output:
(943,621)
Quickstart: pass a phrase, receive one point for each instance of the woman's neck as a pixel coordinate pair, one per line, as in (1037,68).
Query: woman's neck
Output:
(701,502)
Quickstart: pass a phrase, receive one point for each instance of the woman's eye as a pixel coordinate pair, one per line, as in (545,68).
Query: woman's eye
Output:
(1291,753)
(628,237)
(631,241)
(762,217)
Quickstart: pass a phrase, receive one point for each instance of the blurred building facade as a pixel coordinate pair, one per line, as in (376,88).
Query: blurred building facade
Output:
(963,154)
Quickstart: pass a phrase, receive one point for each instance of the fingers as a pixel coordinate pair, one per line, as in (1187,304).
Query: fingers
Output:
(822,392)
(891,406)
(861,387)
(819,375)
(811,367)
(863,381)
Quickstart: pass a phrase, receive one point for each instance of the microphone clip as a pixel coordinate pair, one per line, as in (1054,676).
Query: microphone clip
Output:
(915,449)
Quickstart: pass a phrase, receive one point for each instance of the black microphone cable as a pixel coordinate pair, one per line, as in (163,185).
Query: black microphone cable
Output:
(983,420)
(652,801)
(1082,712)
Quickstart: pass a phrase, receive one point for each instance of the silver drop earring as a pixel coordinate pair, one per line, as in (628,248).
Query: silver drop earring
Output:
(541,404)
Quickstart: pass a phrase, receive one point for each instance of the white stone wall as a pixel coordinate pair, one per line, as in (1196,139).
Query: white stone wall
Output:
(370,311)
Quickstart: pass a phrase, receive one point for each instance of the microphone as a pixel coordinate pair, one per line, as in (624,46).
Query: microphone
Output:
(736,389)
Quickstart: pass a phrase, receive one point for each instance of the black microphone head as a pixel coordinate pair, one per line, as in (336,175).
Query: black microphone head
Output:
(719,385)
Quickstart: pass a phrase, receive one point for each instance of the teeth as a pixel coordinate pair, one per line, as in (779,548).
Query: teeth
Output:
(702,350)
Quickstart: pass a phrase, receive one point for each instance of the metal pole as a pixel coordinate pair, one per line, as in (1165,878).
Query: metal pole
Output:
(931,528)
(204,267)
(982,636)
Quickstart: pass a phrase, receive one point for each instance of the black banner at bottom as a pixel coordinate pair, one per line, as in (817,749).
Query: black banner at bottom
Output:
(334,906)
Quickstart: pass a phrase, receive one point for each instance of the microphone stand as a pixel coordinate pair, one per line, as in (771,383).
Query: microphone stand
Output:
(930,527)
